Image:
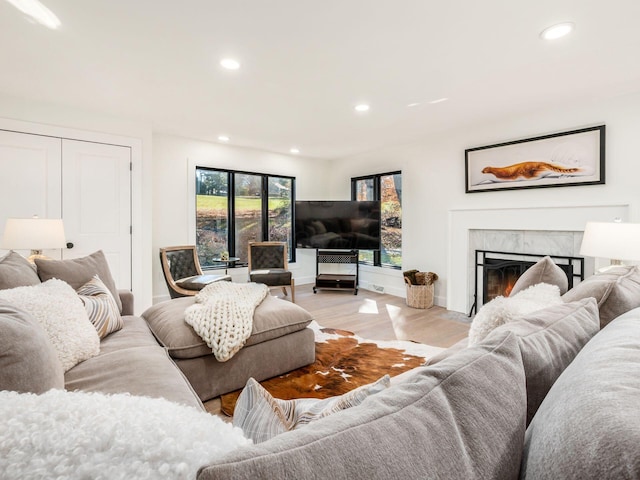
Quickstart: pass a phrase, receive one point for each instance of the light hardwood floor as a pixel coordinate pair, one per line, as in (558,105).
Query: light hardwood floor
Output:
(380,316)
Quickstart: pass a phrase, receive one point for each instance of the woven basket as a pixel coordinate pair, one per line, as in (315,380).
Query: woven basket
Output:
(419,296)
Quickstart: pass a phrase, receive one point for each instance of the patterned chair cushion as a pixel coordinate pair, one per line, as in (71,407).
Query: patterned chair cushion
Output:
(267,257)
(181,264)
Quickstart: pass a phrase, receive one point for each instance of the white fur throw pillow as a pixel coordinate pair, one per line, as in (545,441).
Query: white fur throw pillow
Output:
(79,435)
(502,310)
(261,416)
(60,312)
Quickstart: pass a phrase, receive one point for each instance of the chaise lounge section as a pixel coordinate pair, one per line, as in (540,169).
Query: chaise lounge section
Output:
(279,343)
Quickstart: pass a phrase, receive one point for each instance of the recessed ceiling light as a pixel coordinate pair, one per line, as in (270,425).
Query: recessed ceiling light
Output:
(223,138)
(363,107)
(413,104)
(38,12)
(230,64)
(438,100)
(294,150)
(556,31)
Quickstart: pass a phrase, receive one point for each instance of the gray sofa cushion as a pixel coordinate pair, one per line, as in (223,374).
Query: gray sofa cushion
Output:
(544,271)
(617,291)
(549,340)
(131,361)
(78,271)
(28,361)
(461,418)
(588,426)
(134,333)
(272,318)
(16,271)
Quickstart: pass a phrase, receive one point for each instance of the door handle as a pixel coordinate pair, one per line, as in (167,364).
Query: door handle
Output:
(69,245)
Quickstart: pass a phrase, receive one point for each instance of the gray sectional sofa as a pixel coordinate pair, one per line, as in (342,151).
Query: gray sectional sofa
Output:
(130,360)
(550,396)
(553,395)
(159,355)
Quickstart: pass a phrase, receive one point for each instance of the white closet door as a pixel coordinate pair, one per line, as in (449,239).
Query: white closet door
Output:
(30,179)
(96,204)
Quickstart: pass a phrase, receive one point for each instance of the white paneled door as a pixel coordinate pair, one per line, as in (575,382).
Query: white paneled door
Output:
(30,179)
(96,203)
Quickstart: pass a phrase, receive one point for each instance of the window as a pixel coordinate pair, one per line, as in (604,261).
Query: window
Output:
(235,208)
(387,188)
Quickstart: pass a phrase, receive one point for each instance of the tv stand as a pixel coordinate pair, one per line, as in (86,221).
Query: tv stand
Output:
(332,281)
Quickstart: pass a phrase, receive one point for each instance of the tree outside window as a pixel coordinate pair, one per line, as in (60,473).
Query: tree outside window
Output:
(386,188)
(235,208)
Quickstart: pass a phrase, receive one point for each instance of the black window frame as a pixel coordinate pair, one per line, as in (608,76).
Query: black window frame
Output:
(377,194)
(231,220)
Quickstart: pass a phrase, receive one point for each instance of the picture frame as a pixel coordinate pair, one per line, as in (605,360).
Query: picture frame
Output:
(565,159)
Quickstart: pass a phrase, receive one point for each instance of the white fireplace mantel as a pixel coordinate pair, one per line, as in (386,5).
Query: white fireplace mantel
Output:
(557,219)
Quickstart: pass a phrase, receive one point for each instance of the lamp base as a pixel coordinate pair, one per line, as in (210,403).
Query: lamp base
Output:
(36,254)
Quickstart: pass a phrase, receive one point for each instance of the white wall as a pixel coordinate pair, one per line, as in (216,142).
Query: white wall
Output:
(53,119)
(433,178)
(173,206)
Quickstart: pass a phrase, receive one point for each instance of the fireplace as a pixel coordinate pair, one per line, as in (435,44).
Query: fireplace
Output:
(497,272)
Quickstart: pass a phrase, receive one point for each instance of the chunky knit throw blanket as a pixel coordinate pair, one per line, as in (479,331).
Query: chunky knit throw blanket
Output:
(223,315)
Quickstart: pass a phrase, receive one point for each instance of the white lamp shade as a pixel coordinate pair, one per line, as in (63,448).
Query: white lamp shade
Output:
(33,234)
(618,241)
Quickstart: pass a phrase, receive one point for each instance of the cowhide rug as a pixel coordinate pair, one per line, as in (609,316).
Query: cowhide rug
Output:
(344,361)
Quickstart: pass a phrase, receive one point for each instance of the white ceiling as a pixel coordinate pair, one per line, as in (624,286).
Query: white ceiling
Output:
(306,64)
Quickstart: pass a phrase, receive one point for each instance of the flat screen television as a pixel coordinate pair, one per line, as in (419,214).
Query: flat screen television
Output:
(337,225)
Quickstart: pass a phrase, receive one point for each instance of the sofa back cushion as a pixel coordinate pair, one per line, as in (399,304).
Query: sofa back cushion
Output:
(588,425)
(16,271)
(544,271)
(78,271)
(617,291)
(549,340)
(61,314)
(461,418)
(28,361)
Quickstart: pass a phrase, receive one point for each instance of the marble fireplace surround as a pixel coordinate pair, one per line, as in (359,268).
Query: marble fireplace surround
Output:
(544,230)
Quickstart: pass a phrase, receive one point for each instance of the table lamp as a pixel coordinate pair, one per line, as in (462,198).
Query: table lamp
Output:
(616,240)
(35,234)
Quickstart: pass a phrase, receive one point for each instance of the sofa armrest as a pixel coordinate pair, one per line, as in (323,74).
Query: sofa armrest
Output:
(126,297)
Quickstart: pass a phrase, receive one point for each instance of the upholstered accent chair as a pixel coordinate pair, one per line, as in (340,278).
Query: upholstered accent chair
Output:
(182,271)
(269,264)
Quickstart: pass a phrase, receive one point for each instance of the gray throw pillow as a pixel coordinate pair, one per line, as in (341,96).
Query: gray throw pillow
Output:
(78,271)
(461,418)
(544,271)
(588,426)
(28,361)
(549,341)
(16,271)
(617,290)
